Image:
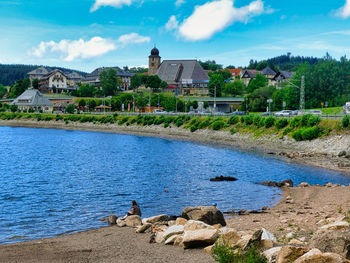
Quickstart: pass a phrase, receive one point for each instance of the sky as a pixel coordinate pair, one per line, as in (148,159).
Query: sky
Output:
(86,34)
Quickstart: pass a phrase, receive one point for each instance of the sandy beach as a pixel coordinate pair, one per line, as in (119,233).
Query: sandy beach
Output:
(301,212)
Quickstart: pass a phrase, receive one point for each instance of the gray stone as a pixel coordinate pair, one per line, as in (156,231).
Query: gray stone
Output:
(195,225)
(133,221)
(173,230)
(143,228)
(112,219)
(200,238)
(207,214)
(171,239)
(155,219)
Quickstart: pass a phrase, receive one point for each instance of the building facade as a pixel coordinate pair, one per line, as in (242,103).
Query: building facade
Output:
(33,99)
(54,82)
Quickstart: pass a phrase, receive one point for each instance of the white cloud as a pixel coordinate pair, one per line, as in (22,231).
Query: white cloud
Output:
(113,3)
(344,12)
(70,50)
(215,16)
(133,38)
(179,2)
(172,24)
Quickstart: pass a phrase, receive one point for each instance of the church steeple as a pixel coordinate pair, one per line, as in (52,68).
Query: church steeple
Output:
(154,61)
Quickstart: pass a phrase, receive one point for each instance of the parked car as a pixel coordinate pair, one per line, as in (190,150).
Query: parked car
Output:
(267,114)
(284,113)
(159,111)
(237,113)
(219,113)
(314,112)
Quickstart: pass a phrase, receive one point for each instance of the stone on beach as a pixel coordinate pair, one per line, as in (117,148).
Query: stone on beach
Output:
(171,239)
(112,219)
(181,221)
(133,221)
(121,222)
(173,230)
(290,253)
(271,254)
(195,225)
(155,219)
(208,214)
(336,225)
(316,256)
(143,228)
(201,237)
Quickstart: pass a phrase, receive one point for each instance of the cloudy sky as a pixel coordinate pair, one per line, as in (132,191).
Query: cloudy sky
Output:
(85,34)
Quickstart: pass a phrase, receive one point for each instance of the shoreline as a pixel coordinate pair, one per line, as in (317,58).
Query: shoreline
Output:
(321,153)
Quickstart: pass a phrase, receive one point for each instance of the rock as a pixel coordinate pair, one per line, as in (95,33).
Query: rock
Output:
(296,242)
(329,185)
(194,225)
(171,223)
(254,241)
(285,183)
(290,253)
(230,238)
(179,241)
(171,239)
(303,184)
(217,226)
(159,237)
(336,225)
(112,219)
(289,235)
(201,237)
(173,230)
(133,221)
(181,221)
(121,223)
(208,214)
(266,235)
(209,249)
(316,256)
(223,178)
(266,244)
(243,242)
(271,254)
(104,219)
(342,154)
(264,208)
(143,228)
(335,241)
(225,230)
(155,219)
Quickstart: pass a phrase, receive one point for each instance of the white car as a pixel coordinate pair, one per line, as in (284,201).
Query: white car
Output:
(314,112)
(159,111)
(284,113)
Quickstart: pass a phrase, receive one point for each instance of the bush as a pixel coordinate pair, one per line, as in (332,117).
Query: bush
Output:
(193,128)
(70,108)
(287,130)
(346,121)
(282,123)
(295,122)
(233,120)
(256,120)
(204,124)
(123,120)
(232,131)
(297,135)
(313,121)
(218,125)
(261,122)
(305,119)
(248,119)
(269,122)
(309,134)
(179,122)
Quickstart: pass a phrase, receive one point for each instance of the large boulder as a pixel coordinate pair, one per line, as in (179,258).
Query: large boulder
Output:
(271,254)
(133,221)
(180,221)
(230,237)
(336,225)
(336,241)
(121,222)
(289,254)
(284,183)
(173,230)
(155,219)
(171,239)
(208,214)
(195,225)
(112,219)
(143,228)
(200,238)
(316,256)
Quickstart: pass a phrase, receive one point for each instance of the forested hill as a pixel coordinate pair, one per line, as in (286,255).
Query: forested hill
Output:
(9,74)
(283,62)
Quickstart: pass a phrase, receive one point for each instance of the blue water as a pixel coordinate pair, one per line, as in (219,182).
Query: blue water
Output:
(58,181)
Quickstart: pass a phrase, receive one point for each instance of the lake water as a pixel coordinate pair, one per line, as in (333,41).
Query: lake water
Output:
(58,181)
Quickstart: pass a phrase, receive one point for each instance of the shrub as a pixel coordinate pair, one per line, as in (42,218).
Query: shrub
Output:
(193,128)
(282,123)
(218,125)
(305,120)
(261,122)
(233,120)
(30,110)
(123,120)
(297,135)
(179,122)
(204,124)
(70,108)
(287,130)
(346,121)
(295,122)
(309,134)
(232,131)
(256,120)
(248,119)
(14,108)
(269,122)
(313,121)
(166,125)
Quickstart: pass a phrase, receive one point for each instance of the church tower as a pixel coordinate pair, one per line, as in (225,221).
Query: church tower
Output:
(154,61)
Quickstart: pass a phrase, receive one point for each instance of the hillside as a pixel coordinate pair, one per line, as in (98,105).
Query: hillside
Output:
(9,74)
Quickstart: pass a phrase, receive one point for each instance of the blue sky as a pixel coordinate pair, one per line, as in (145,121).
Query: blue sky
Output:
(85,34)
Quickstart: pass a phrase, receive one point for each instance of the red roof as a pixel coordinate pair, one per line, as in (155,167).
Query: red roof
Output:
(234,71)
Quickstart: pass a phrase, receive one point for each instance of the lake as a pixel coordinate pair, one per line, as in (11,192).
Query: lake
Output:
(59,181)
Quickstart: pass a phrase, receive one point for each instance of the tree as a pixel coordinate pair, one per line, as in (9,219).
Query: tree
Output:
(86,90)
(141,101)
(234,88)
(3,91)
(92,104)
(259,82)
(230,67)
(153,82)
(14,108)
(216,85)
(136,81)
(20,86)
(163,85)
(82,103)
(109,81)
(210,65)
(70,108)
(35,83)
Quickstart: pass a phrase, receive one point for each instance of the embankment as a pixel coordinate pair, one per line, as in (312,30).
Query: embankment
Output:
(322,152)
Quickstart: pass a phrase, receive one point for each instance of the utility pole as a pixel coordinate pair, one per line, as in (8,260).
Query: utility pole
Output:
(302,94)
(149,102)
(215,99)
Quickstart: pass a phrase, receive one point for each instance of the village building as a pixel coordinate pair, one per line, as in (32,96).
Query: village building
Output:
(54,82)
(38,73)
(94,77)
(235,72)
(74,79)
(247,75)
(187,76)
(281,77)
(33,99)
